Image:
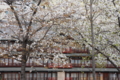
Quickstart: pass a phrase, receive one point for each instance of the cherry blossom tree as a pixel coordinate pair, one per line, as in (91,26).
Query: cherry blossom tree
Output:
(105,21)
(26,24)
(34,24)
(105,18)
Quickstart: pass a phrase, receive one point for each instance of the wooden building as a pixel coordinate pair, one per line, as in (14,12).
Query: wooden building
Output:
(77,69)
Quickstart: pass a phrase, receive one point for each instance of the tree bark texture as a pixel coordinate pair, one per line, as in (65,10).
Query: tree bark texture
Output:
(23,63)
(23,66)
(92,39)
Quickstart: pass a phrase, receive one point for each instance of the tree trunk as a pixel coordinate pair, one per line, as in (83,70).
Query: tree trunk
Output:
(23,63)
(23,66)
(92,39)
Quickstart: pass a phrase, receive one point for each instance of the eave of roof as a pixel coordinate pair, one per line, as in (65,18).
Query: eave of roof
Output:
(6,69)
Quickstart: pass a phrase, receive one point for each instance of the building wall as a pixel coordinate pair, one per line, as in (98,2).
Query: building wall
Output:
(60,76)
(76,61)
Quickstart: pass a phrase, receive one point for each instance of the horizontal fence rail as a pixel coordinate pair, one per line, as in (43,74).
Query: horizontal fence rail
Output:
(74,63)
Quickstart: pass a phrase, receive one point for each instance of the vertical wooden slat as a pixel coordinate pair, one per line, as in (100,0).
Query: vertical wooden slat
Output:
(83,76)
(41,76)
(105,76)
(36,75)
(12,63)
(29,62)
(101,76)
(86,76)
(117,76)
(3,76)
(47,76)
(28,74)
(78,76)
(18,75)
(0,62)
(10,75)
(3,61)
(8,62)
(56,76)
(32,76)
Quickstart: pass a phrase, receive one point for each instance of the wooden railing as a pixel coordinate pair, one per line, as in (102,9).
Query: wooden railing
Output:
(60,66)
(74,63)
(68,78)
(72,50)
(70,65)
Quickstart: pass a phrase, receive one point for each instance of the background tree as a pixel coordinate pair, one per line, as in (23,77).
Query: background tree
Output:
(105,16)
(27,23)
(105,22)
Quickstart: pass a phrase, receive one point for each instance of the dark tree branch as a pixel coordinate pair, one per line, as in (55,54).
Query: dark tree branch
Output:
(113,1)
(42,20)
(1,31)
(45,33)
(38,29)
(30,23)
(118,21)
(36,45)
(17,18)
(115,47)
(100,52)
(112,45)
(107,58)
(9,2)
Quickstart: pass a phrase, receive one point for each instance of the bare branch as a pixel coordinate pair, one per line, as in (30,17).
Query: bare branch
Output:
(118,21)
(14,33)
(17,18)
(45,33)
(99,52)
(113,1)
(30,23)
(43,36)
(1,31)
(114,46)
(9,2)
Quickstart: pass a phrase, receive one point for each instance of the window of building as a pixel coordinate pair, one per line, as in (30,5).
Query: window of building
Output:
(10,62)
(113,76)
(0,76)
(6,61)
